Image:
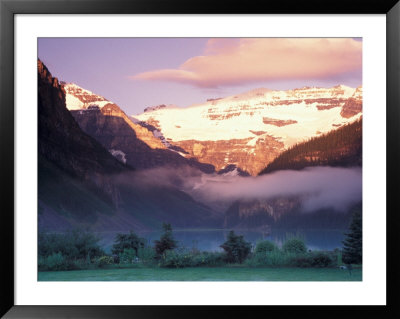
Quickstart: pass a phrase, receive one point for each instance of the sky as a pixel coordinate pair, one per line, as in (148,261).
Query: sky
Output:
(136,73)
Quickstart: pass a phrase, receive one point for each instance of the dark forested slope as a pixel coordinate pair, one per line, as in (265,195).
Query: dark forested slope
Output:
(341,147)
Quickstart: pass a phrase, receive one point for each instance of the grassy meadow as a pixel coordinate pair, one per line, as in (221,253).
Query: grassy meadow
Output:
(204,274)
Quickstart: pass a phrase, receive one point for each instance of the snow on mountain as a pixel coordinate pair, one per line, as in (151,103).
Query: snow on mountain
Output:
(80,99)
(243,128)
(289,116)
(77,98)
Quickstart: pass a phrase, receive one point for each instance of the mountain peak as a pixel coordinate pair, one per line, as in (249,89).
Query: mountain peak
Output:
(78,98)
(249,129)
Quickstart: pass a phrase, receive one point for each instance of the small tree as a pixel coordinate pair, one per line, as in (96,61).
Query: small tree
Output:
(236,248)
(166,242)
(352,244)
(127,241)
(294,245)
(265,246)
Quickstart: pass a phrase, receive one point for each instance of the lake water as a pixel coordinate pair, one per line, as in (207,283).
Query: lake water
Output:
(210,240)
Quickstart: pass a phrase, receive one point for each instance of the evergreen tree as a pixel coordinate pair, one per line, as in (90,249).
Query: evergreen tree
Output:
(236,248)
(166,242)
(352,244)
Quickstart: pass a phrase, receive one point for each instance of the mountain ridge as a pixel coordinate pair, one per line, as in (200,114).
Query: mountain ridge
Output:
(250,129)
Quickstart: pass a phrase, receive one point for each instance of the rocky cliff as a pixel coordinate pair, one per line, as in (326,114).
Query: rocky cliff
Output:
(115,131)
(61,140)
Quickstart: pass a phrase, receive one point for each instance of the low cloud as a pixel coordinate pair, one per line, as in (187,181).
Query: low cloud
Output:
(228,62)
(318,187)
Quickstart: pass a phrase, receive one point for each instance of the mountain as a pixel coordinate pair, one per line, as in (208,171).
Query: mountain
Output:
(341,147)
(250,130)
(130,142)
(78,98)
(61,140)
(81,184)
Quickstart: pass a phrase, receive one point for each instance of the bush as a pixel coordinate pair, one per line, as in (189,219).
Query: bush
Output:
(294,245)
(146,255)
(236,248)
(321,259)
(127,256)
(318,259)
(73,245)
(301,260)
(265,246)
(208,259)
(274,258)
(54,262)
(174,259)
(257,259)
(183,258)
(127,241)
(104,260)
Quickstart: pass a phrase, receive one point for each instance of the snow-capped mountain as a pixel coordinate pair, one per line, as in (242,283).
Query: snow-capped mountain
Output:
(77,98)
(249,130)
(125,138)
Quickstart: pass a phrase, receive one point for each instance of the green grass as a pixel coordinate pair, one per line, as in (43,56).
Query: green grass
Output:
(204,274)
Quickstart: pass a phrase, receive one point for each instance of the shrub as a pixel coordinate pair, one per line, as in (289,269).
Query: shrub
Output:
(55,261)
(127,256)
(73,245)
(257,259)
(127,241)
(318,259)
(265,246)
(174,259)
(146,255)
(321,259)
(182,258)
(275,258)
(166,242)
(294,245)
(208,259)
(104,260)
(236,248)
(301,260)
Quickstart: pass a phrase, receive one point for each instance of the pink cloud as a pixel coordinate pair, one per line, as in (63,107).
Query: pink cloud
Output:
(238,61)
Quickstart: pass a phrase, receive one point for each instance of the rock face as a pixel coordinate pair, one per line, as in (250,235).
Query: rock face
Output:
(80,99)
(249,130)
(249,158)
(132,143)
(114,130)
(284,213)
(60,138)
(258,213)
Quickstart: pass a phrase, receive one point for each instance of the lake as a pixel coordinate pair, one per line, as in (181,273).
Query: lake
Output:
(210,240)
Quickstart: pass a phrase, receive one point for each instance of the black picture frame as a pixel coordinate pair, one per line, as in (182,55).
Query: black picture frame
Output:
(8,10)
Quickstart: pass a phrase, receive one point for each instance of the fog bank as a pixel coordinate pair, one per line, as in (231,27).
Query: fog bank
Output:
(318,187)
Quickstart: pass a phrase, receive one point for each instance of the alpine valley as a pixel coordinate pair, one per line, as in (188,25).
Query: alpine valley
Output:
(112,171)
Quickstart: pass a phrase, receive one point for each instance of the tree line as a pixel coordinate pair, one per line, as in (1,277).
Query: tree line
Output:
(341,147)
